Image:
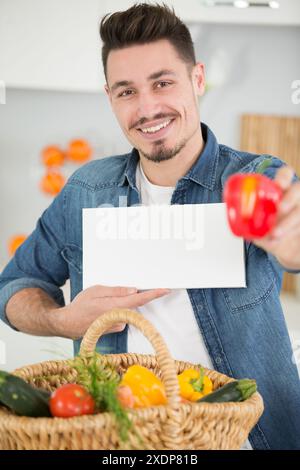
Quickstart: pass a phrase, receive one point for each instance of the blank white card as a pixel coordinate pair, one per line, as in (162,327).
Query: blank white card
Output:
(172,246)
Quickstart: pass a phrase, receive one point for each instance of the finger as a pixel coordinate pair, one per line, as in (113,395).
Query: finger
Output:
(290,199)
(116,328)
(280,249)
(107,291)
(142,298)
(288,223)
(284,177)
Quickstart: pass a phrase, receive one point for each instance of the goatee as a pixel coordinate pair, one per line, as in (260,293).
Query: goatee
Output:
(162,153)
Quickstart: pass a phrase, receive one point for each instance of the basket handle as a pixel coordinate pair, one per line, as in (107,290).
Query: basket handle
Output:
(164,359)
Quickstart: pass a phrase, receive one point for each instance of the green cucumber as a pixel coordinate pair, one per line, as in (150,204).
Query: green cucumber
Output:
(22,398)
(239,390)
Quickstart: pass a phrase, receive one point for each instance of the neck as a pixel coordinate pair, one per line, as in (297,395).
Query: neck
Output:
(168,172)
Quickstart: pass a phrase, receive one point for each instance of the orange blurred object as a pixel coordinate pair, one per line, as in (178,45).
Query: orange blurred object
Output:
(14,243)
(52,182)
(79,151)
(53,156)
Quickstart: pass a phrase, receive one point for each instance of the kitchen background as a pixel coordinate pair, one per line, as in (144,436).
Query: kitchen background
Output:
(51,91)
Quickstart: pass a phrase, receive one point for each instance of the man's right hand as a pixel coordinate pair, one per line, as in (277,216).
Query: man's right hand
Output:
(75,318)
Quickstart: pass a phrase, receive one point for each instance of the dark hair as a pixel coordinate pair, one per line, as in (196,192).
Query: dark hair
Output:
(144,23)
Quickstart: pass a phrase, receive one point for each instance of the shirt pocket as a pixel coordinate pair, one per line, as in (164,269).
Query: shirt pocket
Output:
(72,254)
(260,281)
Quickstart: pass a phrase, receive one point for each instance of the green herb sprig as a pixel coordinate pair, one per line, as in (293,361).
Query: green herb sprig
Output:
(102,380)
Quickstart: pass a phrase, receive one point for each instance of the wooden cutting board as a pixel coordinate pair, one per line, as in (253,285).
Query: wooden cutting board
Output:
(278,136)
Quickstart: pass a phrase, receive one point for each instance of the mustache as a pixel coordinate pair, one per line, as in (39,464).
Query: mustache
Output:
(144,120)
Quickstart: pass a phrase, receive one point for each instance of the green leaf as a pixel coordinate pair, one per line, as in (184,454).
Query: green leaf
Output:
(263,165)
(102,380)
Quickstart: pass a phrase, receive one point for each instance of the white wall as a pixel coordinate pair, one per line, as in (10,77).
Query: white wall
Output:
(260,64)
(18,349)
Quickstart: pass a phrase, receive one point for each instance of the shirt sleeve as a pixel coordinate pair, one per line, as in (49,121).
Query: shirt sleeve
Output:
(38,261)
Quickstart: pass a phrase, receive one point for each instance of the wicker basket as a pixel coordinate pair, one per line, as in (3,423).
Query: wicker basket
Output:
(172,426)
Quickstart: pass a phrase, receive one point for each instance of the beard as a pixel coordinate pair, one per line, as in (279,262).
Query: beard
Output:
(161,153)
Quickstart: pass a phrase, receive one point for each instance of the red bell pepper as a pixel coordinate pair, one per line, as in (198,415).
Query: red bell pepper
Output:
(252,203)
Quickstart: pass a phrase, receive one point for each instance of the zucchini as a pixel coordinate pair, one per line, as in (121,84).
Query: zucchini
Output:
(239,390)
(22,398)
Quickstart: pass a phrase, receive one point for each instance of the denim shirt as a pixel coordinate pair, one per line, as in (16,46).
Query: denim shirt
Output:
(244,329)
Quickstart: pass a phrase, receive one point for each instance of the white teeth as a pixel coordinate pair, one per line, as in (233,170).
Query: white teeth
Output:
(156,128)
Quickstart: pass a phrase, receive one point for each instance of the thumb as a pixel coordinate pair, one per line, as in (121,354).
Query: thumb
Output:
(284,177)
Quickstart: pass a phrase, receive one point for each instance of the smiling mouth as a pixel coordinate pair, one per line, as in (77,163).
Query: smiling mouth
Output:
(156,131)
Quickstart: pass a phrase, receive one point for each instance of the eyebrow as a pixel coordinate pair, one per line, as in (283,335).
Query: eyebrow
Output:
(153,76)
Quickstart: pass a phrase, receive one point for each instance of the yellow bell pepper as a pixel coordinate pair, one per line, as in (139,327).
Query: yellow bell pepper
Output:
(147,389)
(194,384)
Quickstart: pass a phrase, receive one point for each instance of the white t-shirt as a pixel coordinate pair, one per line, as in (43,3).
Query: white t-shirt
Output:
(172,315)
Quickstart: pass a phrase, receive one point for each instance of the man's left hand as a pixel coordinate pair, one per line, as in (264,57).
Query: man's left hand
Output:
(284,240)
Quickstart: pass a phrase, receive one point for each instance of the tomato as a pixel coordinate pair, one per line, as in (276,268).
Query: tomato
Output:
(53,156)
(71,400)
(52,182)
(14,243)
(79,151)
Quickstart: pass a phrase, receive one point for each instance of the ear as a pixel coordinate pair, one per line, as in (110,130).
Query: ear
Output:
(107,91)
(198,77)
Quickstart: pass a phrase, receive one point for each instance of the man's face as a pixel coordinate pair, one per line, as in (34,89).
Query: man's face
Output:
(153,93)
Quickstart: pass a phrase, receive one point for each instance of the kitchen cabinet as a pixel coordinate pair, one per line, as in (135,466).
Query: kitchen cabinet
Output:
(193,11)
(55,45)
(51,45)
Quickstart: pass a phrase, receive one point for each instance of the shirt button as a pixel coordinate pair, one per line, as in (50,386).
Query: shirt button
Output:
(200,307)
(218,360)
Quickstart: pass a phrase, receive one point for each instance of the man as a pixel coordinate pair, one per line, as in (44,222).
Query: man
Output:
(153,84)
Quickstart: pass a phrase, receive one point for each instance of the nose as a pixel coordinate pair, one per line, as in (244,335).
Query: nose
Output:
(148,106)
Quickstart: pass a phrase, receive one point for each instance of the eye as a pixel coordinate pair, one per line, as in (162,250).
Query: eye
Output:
(163,84)
(125,93)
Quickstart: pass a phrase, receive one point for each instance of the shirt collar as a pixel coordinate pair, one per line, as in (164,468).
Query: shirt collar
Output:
(203,171)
